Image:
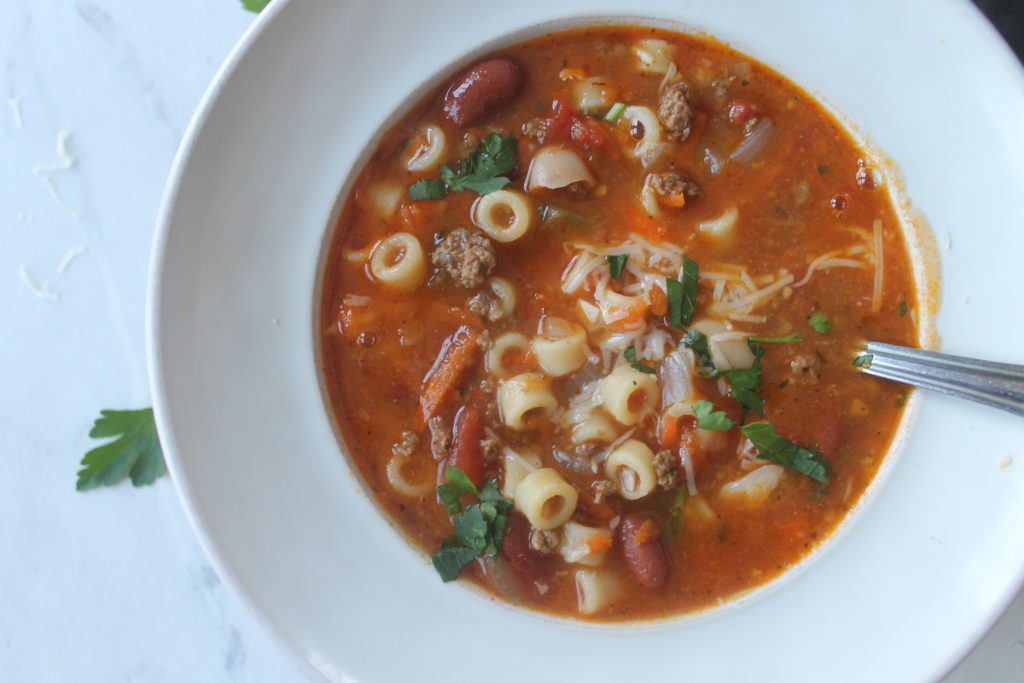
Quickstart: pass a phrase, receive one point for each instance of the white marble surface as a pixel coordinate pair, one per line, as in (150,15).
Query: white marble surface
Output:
(110,585)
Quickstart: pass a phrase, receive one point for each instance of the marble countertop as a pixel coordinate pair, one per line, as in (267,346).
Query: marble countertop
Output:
(110,585)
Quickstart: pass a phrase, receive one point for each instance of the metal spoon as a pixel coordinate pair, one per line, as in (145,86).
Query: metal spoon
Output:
(1000,385)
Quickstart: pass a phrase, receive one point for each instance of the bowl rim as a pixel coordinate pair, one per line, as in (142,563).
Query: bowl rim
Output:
(976,22)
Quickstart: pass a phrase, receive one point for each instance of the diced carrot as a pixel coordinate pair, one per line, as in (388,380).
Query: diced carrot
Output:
(598,543)
(457,353)
(659,301)
(418,214)
(598,511)
(570,73)
(674,201)
(648,531)
(648,226)
(669,435)
(466,452)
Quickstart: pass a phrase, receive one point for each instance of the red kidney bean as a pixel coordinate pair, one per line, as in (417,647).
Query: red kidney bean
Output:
(483,88)
(527,563)
(646,558)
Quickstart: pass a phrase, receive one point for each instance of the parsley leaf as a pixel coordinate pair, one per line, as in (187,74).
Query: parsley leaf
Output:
(630,355)
(820,323)
(255,5)
(745,381)
(698,341)
(616,263)
(458,483)
(863,361)
(778,449)
(136,453)
(903,309)
(788,339)
(709,418)
(482,171)
(682,295)
(428,188)
(478,530)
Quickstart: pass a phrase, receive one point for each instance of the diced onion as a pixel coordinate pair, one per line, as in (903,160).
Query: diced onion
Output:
(754,142)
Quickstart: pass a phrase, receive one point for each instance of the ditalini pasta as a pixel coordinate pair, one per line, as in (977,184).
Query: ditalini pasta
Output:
(588,317)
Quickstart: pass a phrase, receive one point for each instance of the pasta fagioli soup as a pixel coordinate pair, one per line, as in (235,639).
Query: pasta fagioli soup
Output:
(589,316)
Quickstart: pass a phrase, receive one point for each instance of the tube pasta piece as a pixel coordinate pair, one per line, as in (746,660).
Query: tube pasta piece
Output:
(562,348)
(431,153)
(755,486)
(629,394)
(728,349)
(594,427)
(400,483)
(650,147)
(525,399)
(545,498)
(585,545)
(721,227)
(593,95)
(648,198)
(384,198)
(655,55)
(505,292)
(510,342)
(595,589)
(555,166)
(515,467)
(398,262)
(631,468)
(505,215)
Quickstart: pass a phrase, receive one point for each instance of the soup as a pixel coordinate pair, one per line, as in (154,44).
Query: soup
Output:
(589,320)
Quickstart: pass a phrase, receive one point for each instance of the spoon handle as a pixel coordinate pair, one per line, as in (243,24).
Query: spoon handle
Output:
(1000,385)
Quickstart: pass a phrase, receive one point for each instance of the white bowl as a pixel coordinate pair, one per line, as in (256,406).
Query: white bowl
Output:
(902,596)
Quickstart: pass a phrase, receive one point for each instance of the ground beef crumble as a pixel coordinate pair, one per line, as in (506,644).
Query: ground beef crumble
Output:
(674,111)
(467,255)
(665,468)
(544,541)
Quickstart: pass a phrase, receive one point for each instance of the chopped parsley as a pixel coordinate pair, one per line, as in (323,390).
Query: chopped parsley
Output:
(745,382)
(682,295)
(630,355)
(788,339)
(479,529)
(903,309)
(778,449)
(136,453)
(822,169)
(820,322)
(482,171)
(709,418)
(616,264)
(863,361)
(698,341)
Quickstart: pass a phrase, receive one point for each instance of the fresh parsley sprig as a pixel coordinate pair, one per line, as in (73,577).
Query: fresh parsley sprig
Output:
(778,449)
(482,171)
(630,355)
(136,453)
(616,264)
(255,5)
(479,529)
(794,338)
(745,382)
(682,294)
(698,341)
(709,418)
(820,322)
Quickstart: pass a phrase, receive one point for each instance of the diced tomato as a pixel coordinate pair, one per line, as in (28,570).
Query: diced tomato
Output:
(565,126)
(741,112)
(466,452)
(419,214)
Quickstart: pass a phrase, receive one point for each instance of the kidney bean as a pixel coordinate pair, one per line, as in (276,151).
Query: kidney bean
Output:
(527,563)
(482,89)
(641,546)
